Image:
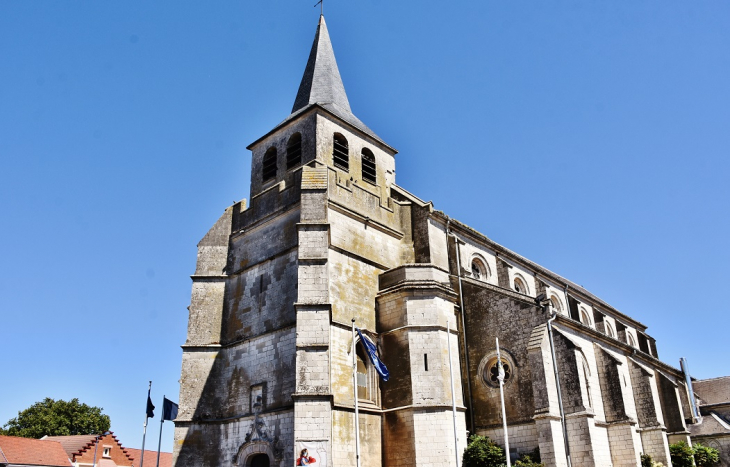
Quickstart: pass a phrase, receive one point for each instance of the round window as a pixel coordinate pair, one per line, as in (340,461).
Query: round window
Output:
(491,371)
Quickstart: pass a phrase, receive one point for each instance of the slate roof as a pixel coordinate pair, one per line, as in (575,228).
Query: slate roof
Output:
(713,391)
(73,444)
(321,83)
(712,425)
(26,451)
(150,457)
(322,87)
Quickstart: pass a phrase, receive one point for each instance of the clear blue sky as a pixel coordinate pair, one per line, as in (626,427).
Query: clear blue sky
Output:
(590,136)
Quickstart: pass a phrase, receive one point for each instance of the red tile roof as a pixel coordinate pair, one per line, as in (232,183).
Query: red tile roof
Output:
(83,449)
(28,451)
(150,457)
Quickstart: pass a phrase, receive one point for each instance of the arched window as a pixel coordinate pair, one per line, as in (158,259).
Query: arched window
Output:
(584,317)
(609,329)
(586,378)
(476,271)
(479,268)
(520,285)
(368,166)
(556,304)
(630,339)
(269,165)
(294,151)
(341,152)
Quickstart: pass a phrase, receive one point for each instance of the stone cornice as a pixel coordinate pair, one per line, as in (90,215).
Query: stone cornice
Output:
(535,268)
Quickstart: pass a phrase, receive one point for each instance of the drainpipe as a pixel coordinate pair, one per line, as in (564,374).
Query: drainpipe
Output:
(463,324)
(690,391)
(550,320)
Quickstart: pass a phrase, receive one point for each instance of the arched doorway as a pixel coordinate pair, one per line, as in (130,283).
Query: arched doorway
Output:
(259,460)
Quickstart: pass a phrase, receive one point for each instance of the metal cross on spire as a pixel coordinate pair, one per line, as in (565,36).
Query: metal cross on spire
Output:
(321,6)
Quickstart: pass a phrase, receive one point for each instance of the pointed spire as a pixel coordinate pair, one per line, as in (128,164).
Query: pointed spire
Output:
(322,87)
(321,83)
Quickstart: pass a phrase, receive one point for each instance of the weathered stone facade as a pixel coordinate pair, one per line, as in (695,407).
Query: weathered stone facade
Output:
(329,237)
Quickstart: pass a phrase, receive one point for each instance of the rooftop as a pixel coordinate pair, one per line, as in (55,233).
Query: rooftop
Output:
(26,451)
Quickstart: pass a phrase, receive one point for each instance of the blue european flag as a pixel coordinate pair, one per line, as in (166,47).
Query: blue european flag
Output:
(373,354)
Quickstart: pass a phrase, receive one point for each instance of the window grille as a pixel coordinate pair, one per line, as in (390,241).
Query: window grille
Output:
(269,165)
(294,151)
(341,152)
(368,167)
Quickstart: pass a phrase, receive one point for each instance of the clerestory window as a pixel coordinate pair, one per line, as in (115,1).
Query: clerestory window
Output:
(520,285)
(368,167)
(294,151)
(341,152)
(478,270)
(269,165)
(584,317)
(556,304)
(630,340)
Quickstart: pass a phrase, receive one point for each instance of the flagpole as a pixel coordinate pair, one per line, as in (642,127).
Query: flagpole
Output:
(162,420)
(144,433)
(453,394)
(354,385)
(501,397)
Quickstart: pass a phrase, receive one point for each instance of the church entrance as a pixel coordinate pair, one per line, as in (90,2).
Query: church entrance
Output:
(260,460)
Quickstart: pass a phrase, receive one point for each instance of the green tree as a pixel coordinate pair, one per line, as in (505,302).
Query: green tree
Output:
(705,456)
(682,454)
(530,460)
(57,418)
(483,452)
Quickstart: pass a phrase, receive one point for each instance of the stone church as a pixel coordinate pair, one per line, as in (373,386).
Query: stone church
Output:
(328,237)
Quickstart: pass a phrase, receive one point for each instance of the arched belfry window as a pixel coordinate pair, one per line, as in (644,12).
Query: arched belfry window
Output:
(294,151)
(341,152)
(368,167)
(269,165)
(609,329)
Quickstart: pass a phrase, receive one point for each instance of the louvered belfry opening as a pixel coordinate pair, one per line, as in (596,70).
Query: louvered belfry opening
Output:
(294,151)
(368,167)
(269,165)
(341,152)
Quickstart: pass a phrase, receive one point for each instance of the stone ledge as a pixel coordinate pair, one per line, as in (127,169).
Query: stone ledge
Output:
(335,206)
(312,396)
(209,277)
(317,346)
(421,327)
(313,259)
(415,286)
